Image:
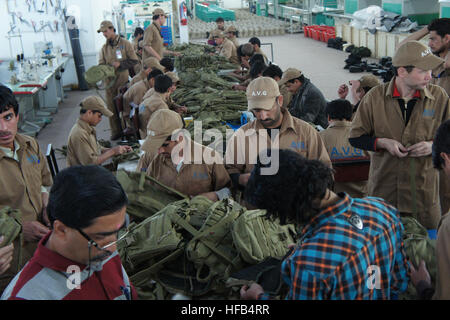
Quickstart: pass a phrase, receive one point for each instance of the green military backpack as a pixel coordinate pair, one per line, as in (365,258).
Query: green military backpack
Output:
(99,73)
(10,229)
(146,195)
(418,246)
(193,246)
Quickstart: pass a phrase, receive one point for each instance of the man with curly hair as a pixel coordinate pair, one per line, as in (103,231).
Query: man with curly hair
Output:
(350,248)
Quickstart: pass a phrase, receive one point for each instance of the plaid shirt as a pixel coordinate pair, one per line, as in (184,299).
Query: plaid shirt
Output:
(336,260)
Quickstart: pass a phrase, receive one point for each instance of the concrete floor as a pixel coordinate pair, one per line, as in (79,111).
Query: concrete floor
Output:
(323,65)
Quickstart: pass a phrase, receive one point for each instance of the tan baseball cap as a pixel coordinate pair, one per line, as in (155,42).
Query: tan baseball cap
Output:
(231,29)
(369,80)
(417,54)
(153,63)
(95,103)
(261,93)
(159,12)
(105,25)
(173,77)
(218,34)
(289,74)
(162,125)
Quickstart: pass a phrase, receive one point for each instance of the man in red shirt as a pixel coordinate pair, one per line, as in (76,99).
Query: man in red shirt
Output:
(78,259)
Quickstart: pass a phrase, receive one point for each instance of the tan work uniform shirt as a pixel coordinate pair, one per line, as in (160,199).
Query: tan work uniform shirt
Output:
(154,39)
(21,183)
(120,51)
(148,94)
(235,42)
(442,291)
(135,94)
(295,134)
(441,77)
(156,102)
(82,146)
(287,95)
(139,77)
(192,179)
(390,178)
(335,138)
(259,51)
(228,50)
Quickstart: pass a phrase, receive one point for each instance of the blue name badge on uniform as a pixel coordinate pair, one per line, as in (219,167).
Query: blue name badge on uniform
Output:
(200,175)
(33,159)
(348,152)
(299,145)
(141,108)
(428,113)
(118,54)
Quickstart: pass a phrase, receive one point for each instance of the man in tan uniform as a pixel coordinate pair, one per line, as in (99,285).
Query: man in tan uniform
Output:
(439,43)
(420,277)
(82,146)
(177,164)
(220,27)
(24,181)
(153,40)
(256,43)
(398,121)
(172,105)
(157,101)
(231,35)
(148,65)
(335,138)
(137,92)
(225,47)
(120,54)
(265,101)
(273,71)
(358,88)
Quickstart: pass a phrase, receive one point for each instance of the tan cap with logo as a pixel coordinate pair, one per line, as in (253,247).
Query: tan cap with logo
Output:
(159,12)
(105,25)
(95,103)
(289,74)
(231,29)
(261,93)
(153,63)
(369,81)
(162,125)
(173,77)
(218,34)
(415,53)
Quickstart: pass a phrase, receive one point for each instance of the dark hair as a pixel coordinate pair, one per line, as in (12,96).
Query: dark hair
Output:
(289,194)
(167,63)
(301,79)
(138,31)
(80,194)
(8,101)
(340,109)
(83,111)
(273,71)
(255,40)
(440,26)
(257,68)
(408,69)
(441,143)
(162,83)
(219,19)
(154,73)
(257,57)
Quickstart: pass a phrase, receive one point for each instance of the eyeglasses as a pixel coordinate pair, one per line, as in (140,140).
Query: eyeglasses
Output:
(124,230)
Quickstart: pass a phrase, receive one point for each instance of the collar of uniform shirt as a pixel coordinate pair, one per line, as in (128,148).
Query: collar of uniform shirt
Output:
(396,93)
(287,123)
(11,154)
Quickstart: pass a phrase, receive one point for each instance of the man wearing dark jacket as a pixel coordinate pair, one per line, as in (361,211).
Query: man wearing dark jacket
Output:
(308,103)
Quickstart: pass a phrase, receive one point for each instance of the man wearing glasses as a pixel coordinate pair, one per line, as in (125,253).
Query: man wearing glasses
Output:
(78,259)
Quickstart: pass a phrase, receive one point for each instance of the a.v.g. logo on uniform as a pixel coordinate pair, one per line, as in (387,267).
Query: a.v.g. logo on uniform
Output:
(33,159)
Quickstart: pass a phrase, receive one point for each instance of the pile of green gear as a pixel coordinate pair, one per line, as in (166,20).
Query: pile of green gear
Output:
(209,241)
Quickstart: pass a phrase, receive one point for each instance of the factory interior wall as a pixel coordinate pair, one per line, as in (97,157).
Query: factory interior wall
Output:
(89,15)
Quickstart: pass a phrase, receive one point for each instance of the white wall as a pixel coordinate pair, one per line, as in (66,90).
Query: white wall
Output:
(233,4)
(89,16)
